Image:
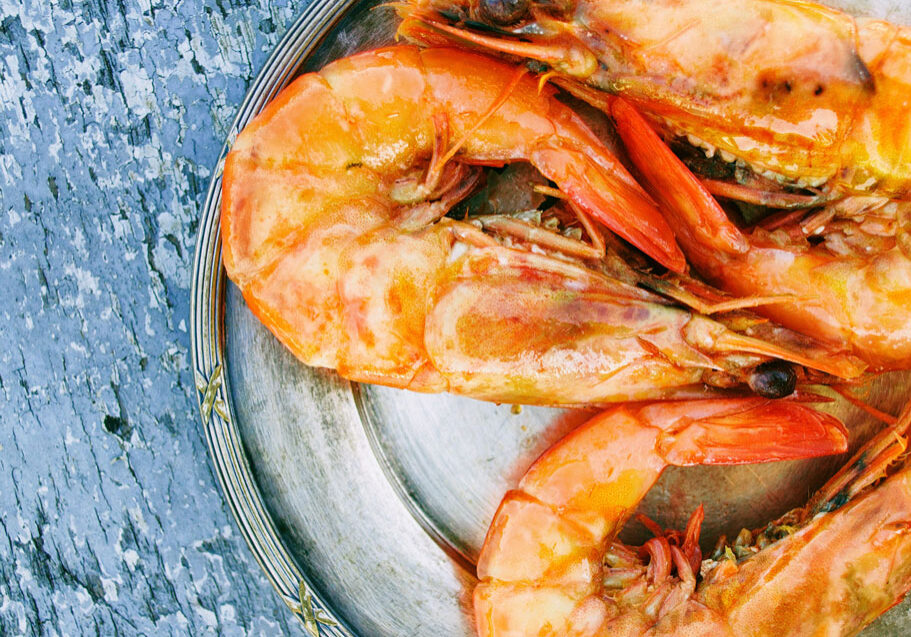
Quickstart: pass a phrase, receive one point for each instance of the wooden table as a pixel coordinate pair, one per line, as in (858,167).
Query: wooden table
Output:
(112,115)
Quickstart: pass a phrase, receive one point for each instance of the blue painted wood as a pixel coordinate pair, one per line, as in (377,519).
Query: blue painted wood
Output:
(112,115)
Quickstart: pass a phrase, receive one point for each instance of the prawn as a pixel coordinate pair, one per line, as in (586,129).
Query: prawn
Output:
(334,228)
(805,94)
(799,106)
(850,290)
(551,563)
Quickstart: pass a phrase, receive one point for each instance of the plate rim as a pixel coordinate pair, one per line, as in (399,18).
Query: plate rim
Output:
(208,336)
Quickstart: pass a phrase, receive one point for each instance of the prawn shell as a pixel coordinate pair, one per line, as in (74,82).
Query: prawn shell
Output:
(833,577)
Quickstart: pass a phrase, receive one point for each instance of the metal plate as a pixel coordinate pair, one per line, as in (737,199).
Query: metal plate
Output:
(366,506)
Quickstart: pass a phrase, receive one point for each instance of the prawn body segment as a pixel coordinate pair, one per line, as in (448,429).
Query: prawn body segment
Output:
(794,88)
(846,563)
(841,572)
(366,122)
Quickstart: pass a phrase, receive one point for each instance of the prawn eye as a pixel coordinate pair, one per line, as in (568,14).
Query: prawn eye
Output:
(503,12)
(774,379)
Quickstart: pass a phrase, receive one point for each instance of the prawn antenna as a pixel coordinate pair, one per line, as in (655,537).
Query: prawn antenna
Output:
(544,78)
(845,392)
(497,103)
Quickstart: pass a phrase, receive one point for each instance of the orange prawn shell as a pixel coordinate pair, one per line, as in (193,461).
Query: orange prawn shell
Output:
(833,577)
(880,139)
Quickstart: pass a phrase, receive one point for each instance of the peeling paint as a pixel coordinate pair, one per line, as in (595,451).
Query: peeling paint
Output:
(111,117)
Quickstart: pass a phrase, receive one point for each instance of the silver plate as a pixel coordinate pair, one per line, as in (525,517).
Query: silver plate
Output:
(366,506)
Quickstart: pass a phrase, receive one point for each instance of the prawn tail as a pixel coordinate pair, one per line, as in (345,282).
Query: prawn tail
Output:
(594,181)
(702,227)
(745,431)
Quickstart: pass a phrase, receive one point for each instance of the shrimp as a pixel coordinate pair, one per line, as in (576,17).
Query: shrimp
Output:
(551,563)
(848,290)
(334,228)
(801,107)
(805,94)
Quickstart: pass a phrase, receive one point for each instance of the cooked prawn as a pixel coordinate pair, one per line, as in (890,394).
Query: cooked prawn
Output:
(334,228)
(551,563)
(802,92)
(785,95)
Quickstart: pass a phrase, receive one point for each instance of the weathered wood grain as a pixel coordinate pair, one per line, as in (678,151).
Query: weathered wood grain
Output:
(112,115)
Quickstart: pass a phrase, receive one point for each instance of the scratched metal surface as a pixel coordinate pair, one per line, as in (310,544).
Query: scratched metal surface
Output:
(374,501)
